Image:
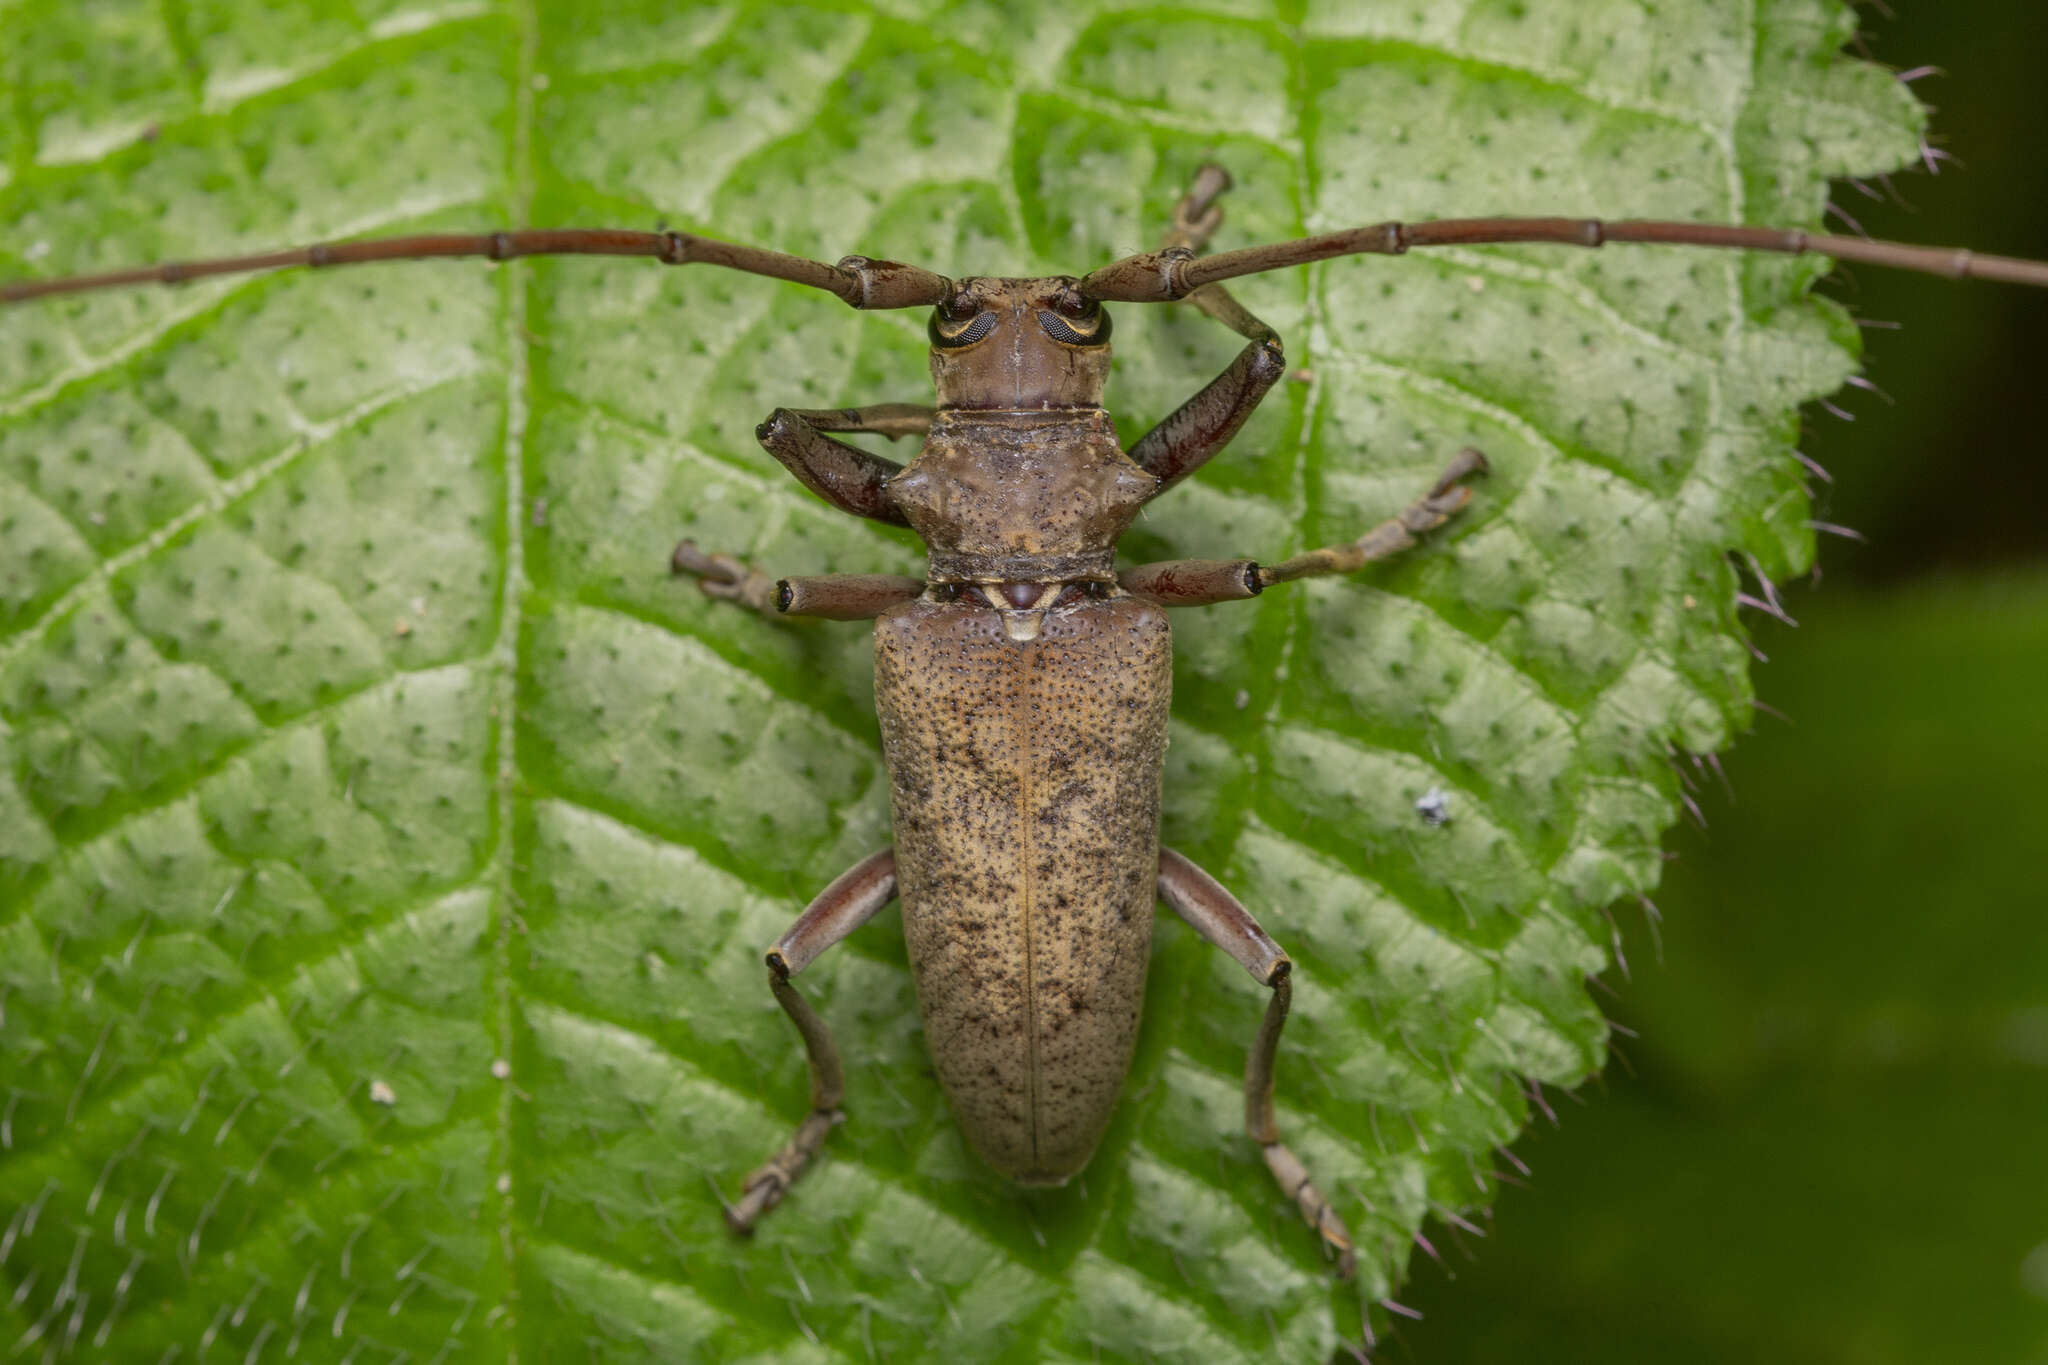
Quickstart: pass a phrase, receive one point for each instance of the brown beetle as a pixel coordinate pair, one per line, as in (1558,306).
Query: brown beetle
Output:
(1022,686)
(1022,691)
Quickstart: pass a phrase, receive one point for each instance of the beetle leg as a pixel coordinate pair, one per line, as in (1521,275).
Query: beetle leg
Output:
(1204,424)
(840,908)
(1194,582)
(833,596)
(846,476)
(1442,502)
(1201,582)
(846,596)
(1216,915)
(892,420)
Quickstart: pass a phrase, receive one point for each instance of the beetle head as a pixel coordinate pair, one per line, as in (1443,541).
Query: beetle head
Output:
(1000,343)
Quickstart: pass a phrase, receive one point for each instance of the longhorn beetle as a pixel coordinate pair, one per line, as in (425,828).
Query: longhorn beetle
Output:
(1022,685)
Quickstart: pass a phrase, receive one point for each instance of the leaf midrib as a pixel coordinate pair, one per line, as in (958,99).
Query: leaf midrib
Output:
(507,669)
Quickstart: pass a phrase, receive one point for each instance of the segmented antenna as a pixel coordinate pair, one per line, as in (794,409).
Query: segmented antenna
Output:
(1174,273)
(859,281)
(1149,277)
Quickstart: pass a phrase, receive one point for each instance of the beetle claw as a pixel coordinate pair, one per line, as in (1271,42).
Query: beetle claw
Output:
(763,1191)
(768,1183)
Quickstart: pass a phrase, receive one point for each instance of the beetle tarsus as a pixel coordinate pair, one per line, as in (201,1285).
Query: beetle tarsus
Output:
(1197,216)
(727,578)
(1463,465)
(1315,1210)
(768,1183)
(1444,500)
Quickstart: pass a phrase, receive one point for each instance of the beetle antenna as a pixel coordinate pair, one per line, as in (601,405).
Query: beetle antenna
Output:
(859,281)
(1174,273)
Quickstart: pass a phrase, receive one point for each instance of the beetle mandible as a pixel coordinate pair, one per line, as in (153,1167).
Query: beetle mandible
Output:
(1022,686)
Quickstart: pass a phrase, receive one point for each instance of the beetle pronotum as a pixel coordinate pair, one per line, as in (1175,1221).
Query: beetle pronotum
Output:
(1018,613)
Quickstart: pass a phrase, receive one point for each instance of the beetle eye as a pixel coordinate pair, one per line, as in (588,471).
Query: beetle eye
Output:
(1087,327)
(950,331)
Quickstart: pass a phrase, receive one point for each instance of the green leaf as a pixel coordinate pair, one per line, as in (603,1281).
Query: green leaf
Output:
(1839,1068)
(387,843)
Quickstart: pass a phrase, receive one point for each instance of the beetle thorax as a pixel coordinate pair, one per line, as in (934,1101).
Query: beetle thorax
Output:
(1031,496)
